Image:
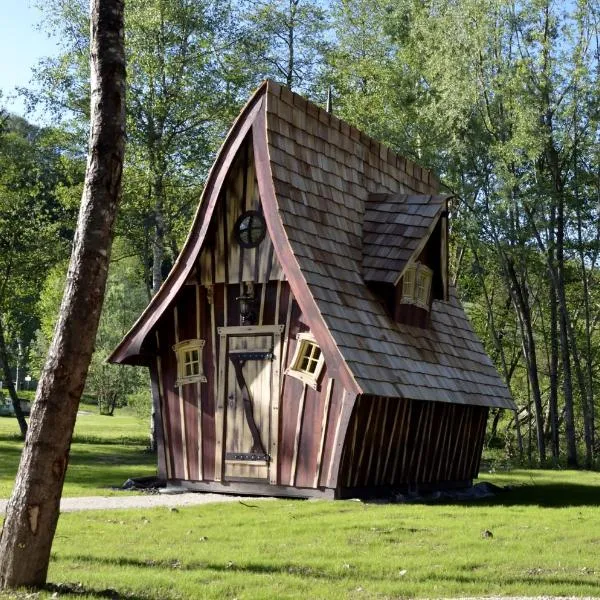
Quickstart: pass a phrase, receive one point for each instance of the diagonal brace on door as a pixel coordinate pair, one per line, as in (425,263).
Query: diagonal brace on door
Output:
(257,445)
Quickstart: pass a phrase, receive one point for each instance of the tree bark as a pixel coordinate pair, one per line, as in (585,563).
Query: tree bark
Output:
(553,392)
(12,392)
(289,80)
(521,302)
(33,510)
(506,372)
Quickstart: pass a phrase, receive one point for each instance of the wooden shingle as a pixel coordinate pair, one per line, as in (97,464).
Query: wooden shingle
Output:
(357,214)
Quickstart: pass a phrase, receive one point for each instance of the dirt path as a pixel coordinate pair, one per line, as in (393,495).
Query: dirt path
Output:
(141,501)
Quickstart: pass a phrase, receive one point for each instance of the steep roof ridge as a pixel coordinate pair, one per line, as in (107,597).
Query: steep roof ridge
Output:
(323,174)
(288,258)
(421,175)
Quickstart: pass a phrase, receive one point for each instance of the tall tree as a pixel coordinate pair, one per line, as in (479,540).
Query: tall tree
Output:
(184,87)
(285,40)
(500,98)
(33,224)
(33,510)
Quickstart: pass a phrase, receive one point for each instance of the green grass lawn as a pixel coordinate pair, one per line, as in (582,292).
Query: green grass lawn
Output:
(546,541)
(106,451)
(546,537)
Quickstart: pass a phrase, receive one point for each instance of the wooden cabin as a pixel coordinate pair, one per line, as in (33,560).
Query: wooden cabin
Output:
(307,341)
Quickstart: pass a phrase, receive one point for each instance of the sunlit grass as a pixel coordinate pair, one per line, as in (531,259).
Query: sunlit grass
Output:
(106,451)
(545,542)
(545,537)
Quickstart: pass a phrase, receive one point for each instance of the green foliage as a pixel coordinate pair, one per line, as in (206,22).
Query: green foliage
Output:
(34,229)
(499,99)
(285,40)
(105,453)
(184,88)
(125,298)
(140,404)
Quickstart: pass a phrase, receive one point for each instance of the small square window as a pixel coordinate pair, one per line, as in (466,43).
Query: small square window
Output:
(408,284)
(308,360)
(189,361)
(416,285)
(310,354)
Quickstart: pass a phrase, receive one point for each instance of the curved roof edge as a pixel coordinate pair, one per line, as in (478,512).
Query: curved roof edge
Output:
(128,350)
(336,363)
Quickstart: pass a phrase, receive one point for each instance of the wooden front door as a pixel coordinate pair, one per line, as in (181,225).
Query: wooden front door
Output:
(251,402)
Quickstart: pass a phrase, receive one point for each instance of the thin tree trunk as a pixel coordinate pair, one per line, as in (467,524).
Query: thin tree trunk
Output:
(33,510)
(553,396)
(563,327)
(553,363)
(158,243)
(586,382)
(291,30)
(557,270)
(529,349)
(12,392)
(500,349)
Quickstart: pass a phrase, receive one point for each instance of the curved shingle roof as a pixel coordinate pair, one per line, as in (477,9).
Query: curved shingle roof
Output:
(316,174)
(324,172)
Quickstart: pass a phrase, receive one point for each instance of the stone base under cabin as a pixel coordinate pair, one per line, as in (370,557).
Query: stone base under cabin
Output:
(243,488)
(284,491)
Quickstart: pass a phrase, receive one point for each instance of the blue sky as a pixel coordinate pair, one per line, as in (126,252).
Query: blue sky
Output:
(21,46)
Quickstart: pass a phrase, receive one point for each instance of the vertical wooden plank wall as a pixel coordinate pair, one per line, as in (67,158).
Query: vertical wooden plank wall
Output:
(393,442)
(307,416)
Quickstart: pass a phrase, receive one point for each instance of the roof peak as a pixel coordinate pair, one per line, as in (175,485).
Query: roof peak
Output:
(329,119)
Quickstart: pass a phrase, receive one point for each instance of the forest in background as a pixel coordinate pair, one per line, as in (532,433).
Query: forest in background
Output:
(499,98)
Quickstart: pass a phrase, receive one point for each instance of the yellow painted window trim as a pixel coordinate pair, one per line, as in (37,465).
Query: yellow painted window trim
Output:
(306,341)
(181,349)
(412,292)
(423,286)
(408,284)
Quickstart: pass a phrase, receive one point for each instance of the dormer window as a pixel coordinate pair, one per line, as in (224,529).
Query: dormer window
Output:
(416,285)
(308,360)
(189,361)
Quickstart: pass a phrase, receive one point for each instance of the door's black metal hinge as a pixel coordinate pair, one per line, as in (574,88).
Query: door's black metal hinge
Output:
(246,456)
(250,355)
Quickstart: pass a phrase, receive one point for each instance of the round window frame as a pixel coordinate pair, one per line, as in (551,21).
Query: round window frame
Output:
(238,234)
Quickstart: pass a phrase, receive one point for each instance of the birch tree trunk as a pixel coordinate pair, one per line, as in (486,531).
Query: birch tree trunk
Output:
(33,510)
(7,375)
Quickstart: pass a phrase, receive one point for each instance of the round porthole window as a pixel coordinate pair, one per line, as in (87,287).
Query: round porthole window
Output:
(250,229)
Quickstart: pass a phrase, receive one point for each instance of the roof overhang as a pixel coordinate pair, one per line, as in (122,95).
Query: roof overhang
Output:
(129,350)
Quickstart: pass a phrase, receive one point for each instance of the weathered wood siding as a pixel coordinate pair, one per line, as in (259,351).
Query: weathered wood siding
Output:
(401,443)
(307,417)
(192,449)
(222,259)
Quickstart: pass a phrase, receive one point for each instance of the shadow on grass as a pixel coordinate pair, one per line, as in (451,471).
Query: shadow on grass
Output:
(140,441)
(116,441)
(176,565)
(76,589)
(547,495)
(543,494)
(547,579)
